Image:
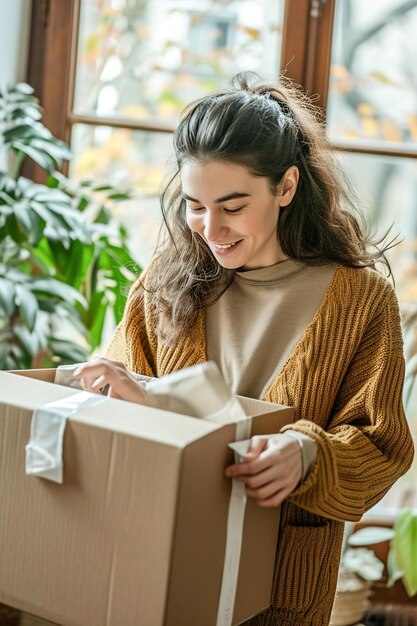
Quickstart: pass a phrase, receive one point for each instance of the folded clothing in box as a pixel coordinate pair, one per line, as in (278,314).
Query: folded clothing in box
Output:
(137,533)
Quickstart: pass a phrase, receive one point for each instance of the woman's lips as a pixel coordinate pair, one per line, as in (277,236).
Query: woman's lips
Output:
(224,249)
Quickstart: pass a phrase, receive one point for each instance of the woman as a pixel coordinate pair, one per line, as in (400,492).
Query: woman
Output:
(265,272)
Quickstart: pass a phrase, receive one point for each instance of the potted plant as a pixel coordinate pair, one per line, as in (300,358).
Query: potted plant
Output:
(402,557)
(64,262)
(360,567)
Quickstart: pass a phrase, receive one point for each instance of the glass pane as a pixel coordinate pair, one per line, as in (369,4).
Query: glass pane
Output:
(373,79)
(130,160)
(149,58)
(388,189)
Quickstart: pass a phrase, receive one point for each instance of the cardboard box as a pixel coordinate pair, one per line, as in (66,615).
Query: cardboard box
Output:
(135,536)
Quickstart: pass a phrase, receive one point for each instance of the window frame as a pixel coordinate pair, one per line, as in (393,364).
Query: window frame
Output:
(53,47)
(305,59)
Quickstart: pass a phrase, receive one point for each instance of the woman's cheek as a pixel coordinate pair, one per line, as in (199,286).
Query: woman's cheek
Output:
(194,222)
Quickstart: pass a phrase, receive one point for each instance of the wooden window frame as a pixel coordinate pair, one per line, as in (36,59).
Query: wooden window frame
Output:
(52,58)
(305,59)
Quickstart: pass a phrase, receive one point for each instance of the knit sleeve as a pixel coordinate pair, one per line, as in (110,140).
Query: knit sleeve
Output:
(367,445)
(131,342)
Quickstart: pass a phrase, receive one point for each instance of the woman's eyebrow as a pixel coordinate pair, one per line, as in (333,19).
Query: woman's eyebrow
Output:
(230,196)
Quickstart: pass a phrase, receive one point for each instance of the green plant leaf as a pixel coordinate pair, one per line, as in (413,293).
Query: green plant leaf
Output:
(6,201)
(20,131)
(96,316)
(23,88)
(83,203)
(56,289)
(15,275)
(27,111)
(14,229)
(22,213)
(28,340)
(59,226)
(43,257)
(80,260)
(52,182)
(64,310)
(394,571)
(40,157)
(67,351)
(28,305)
(103,188)
(57,150)
(118,196)
(29,223)
(404,545)
(10,363)
(370,535)
(7,296)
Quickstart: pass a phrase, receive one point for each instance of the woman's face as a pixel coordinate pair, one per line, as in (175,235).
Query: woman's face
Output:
(235,212)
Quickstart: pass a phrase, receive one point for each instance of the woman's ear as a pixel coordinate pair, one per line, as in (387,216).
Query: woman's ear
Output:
(288,185)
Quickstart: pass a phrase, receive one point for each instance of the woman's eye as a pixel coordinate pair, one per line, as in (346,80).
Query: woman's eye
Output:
(195,208)
(234,210)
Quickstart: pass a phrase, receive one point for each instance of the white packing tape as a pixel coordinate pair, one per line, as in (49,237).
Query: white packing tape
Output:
(234,533)
(44,452)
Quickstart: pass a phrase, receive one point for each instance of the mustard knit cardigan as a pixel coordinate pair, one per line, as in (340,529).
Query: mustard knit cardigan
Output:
(344,379)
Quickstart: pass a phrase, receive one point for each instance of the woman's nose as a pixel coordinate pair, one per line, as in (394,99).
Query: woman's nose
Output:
(213,227)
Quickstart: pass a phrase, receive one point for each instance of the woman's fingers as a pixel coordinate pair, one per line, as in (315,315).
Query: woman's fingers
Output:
(257,445)
(90,373)
(266,490)
(254,481)
(102,372)
(273,473)
(276,499)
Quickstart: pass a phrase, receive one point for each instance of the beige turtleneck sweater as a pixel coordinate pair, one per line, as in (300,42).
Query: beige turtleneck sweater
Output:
(253,328)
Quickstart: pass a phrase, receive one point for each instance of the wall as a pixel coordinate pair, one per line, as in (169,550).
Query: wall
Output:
(14,40)
(14,43)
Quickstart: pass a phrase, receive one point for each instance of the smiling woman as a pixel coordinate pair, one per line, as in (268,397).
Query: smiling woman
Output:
(265,271)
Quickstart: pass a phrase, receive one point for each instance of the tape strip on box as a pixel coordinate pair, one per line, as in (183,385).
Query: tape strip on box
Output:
(44,452)
(234,533)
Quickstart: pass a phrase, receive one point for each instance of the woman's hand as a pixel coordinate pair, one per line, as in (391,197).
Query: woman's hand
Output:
(101,372)
(271,469)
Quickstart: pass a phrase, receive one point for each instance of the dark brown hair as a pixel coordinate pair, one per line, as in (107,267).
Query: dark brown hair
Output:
(266,128)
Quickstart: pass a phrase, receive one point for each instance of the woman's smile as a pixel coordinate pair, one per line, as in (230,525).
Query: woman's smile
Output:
(224,248)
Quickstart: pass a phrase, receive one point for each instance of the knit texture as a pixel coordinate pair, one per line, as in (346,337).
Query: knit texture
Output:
(344,379)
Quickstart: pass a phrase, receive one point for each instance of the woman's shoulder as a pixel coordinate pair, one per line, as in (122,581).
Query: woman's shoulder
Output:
(363,293)
(363,282)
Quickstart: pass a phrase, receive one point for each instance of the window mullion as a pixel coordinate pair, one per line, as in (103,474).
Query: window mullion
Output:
(306,46)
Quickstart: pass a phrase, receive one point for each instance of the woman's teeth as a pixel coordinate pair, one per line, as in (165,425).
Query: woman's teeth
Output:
(225,245)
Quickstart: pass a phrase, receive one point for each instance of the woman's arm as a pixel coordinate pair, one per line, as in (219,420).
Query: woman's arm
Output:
(367,445)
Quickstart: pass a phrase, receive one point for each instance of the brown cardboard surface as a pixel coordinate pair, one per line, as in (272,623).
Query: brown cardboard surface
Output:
(136,534)
(47,374)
